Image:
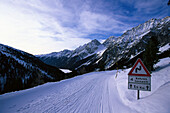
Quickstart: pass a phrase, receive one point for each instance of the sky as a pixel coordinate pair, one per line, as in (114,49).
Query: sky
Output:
(44,26)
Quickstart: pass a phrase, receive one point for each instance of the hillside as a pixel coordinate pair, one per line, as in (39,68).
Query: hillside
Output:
(96,92)
(20,70)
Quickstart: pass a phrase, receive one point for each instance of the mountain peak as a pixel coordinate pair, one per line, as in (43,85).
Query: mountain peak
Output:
(96,42)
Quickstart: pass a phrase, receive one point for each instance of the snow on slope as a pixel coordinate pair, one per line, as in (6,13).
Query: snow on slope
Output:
(165,48)
(96,92)
(66,70)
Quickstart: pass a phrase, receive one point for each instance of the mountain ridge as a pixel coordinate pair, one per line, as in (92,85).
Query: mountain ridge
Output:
(115,47)
(82,52)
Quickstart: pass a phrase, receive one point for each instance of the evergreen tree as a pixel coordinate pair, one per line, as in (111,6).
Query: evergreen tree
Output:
(150,56)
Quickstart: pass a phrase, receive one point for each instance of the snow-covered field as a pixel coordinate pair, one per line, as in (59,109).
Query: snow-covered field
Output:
(96,92)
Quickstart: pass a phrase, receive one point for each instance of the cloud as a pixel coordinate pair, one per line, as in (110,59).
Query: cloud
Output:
(44,26)
(36,29)
(98,22)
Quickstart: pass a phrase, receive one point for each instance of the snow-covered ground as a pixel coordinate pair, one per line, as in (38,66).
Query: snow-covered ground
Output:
(96,92)
(66,70)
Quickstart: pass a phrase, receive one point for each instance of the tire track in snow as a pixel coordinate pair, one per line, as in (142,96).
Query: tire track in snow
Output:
(76,99)
(98,94)
(41,104)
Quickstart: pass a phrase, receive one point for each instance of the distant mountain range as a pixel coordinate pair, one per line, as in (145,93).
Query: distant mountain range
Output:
(73,59)
(115,50)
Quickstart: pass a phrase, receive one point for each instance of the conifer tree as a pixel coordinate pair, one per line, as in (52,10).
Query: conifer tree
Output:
(150,55)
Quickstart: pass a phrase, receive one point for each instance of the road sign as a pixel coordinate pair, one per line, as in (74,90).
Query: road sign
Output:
(139,83)
(139,77)
(143,87)
(139,69)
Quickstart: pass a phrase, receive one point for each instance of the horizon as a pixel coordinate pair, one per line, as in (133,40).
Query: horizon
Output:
(41,27)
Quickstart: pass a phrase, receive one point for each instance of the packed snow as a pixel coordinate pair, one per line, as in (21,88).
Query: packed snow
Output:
(66,70)
(96,92)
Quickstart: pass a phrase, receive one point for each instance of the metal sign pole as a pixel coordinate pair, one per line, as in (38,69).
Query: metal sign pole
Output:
(138,95)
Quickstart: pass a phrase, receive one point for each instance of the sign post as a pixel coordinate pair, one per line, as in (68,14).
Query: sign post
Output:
(139,78)
(138,95)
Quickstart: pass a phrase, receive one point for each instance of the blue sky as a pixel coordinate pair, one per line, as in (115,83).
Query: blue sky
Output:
(44,26)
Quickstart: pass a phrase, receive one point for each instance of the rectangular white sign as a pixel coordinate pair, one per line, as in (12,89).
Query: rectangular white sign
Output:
(139,79)
(143,87)
(139,83)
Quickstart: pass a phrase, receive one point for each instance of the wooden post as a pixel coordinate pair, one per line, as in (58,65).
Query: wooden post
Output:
(117,70)
(138,95)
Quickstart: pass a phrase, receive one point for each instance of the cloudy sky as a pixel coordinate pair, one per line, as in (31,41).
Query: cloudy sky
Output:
(44,26)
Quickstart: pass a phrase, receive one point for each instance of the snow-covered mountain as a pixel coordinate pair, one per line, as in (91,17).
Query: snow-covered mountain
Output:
(73,59)
(135,34)
(97,56)
(133,41)
(87,49)
(20,70)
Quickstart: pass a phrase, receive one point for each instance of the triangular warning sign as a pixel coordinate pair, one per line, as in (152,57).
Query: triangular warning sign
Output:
(139,69)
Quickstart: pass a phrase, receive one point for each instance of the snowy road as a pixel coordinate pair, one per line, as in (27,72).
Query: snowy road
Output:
(90,93)
(96,92)
(97,95)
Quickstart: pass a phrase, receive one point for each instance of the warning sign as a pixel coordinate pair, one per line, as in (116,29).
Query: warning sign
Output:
(139,77)
(139,69)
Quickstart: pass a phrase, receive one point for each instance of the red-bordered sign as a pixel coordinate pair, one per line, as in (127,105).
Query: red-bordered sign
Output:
(139,69)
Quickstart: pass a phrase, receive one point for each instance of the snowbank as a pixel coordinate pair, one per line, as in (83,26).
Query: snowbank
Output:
(155,101)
